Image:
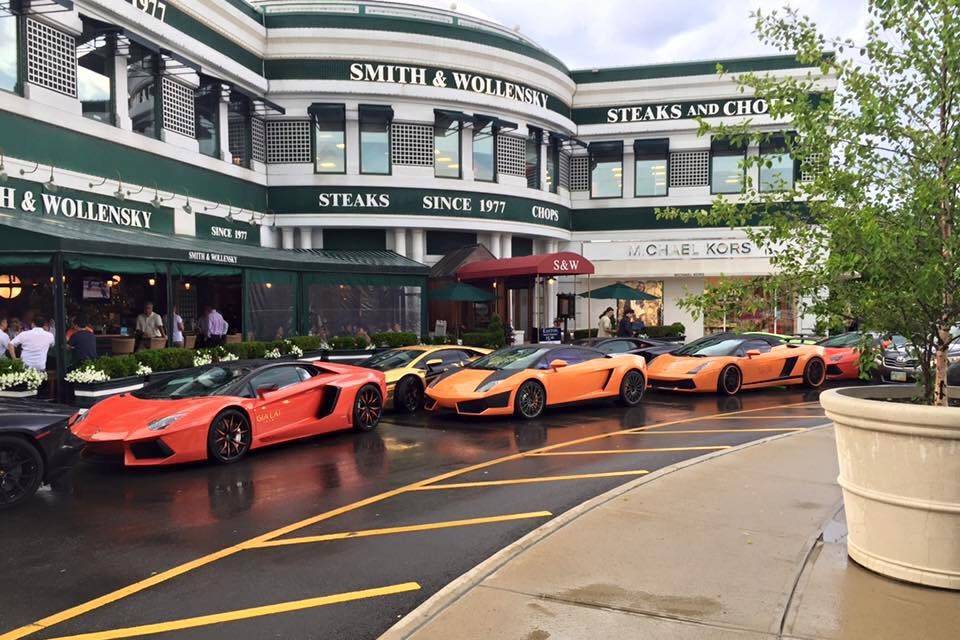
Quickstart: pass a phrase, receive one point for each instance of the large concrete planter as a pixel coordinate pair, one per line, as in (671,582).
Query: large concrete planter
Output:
(900,475)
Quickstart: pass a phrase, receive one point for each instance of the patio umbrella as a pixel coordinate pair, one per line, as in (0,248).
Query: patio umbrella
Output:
(461,292)
(618,291)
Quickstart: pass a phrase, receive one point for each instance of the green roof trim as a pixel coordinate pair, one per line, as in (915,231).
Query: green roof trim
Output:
(696,68)
(632,218)
(247,9)
(201,33)
(455,31)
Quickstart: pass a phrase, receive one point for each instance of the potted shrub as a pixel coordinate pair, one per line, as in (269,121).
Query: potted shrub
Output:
(858,198)
(18,380)
(107,376)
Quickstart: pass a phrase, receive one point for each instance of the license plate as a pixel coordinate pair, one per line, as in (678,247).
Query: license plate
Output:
(898,376)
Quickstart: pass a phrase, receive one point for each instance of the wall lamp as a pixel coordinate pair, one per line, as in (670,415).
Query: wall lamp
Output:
(49,185)
(157,201)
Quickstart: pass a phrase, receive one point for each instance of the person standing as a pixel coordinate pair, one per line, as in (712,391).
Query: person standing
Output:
(82,342)
(605,328)
(34,345)
(217,328)
(149,325)
(4,338)
(176,331)
(625,328)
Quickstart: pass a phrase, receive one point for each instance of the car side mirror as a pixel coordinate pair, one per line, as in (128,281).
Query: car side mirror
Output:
(558,364)
(754,352)
(436,363)
(265,389)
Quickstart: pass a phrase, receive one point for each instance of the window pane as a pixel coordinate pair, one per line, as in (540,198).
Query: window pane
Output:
(779,176)
(95,79)
(331,148)
(483,153)
(142,86)
(446,148)
(207,108)
(8,52)
(553,166)
(374,148)
(343,310)
(238,129)
(533,159)
(727,174)
(607,179)
(651,178)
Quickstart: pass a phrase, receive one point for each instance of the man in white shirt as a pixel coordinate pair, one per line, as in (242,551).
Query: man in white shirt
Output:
(35,344)
(176,332)
(149,325)
(4,337)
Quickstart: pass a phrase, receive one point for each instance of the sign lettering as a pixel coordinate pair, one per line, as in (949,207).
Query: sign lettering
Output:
(75,208)
(688,110)
(209,256)
(366,200)
(153,8)
(566,265)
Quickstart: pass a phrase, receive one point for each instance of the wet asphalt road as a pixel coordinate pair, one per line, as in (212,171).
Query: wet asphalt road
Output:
(107,528)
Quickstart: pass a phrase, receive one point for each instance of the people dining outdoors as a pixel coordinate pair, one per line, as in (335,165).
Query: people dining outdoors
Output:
(34,345)
(149,326)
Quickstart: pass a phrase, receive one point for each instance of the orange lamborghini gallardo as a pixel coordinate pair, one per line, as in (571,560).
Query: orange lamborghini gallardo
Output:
(523,380)
(726,363)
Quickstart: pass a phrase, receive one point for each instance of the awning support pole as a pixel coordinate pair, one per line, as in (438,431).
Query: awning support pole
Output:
(170,303)
(60,320)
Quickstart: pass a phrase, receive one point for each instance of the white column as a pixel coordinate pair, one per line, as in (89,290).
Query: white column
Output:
(120,84)
(466,153)
(352,140)
(317,237)
(506,245)
(288,237)
(418,242)
(544,157)
(223,123)
(494,244)
(306,237)
(400,241)
(673,290)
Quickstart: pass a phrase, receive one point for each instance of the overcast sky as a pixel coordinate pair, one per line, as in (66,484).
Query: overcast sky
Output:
(606,33)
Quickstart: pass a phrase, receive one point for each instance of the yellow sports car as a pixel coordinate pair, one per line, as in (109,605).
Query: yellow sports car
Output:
(410,369)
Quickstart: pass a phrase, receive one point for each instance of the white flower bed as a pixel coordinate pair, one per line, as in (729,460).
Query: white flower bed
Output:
(273,355)
(87,375)
(144,370)
(229,357)
(202,358)
(31,379)
(294,350)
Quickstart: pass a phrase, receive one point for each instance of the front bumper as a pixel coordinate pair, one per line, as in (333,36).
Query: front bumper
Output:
(672,384)
(164,448)
(492,404)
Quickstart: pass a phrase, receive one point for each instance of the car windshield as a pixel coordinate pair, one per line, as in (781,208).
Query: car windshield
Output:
(717,346)
(205,382)
(393,359)
(841,340)
(512,358)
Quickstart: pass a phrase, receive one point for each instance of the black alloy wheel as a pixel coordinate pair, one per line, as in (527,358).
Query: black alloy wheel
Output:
(367,408)
(230,436)
(530,401)
(631,388)
(21,470)
(408,395)
(815,373)
(730,381)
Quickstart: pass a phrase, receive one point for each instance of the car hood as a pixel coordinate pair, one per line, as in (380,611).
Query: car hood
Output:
(671,365)
(123,416)
(466,381)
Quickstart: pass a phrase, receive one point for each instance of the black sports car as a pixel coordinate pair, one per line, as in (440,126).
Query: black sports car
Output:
(645,347)
(35,447)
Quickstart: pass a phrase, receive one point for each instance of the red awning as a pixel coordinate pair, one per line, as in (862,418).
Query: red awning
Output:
(550,264)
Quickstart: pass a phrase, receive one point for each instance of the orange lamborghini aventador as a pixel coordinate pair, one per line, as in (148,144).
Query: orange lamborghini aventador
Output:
(525,379)
(728,362)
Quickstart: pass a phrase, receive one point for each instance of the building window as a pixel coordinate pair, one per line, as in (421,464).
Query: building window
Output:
(440,243)
(726,166)
(239,128)
(606,169)
(355,239)
(207,110)
(651,158)
(446,145)
(534,142)
(9,52)
(375,125)
(484,150)
(95,88)
(329,138)
(520,246)
(780,174)
(143,90)
(553,164)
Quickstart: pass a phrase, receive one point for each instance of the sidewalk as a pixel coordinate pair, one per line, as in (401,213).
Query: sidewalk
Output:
(745,545)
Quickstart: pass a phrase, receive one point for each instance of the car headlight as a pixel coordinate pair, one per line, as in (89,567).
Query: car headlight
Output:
(698,368)
(78,417)
(163,423)
(486,386)
(836,358)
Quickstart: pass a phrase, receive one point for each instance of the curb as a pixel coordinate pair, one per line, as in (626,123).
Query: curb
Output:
(438,602)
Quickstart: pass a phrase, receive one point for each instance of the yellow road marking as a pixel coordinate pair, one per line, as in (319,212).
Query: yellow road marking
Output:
(495,483)
(407,529)
(637,432)
(614,451)
(764,417)
(137,587)
(243,614)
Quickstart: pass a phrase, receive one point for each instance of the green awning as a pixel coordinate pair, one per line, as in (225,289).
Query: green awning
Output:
(462,292)
(203,270)
(618,291)
(24,260)
(109,264)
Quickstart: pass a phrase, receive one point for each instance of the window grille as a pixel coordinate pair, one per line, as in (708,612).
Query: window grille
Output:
(689,168)
(564,170)
(258,139)
(51,58)
(580,173)
(412,144)
(512,156)
(178,108)
(810,166)
(288,141)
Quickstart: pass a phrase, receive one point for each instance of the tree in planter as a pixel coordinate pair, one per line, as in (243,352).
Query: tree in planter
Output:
(869,232)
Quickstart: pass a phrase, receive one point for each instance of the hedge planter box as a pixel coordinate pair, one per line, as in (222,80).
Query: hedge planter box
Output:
(19,391)
(342,356)
(900,475)
(89,394)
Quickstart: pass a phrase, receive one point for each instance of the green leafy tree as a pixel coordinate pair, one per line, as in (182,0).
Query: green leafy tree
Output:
(870,233)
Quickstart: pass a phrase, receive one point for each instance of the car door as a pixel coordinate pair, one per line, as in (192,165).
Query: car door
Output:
(585,375)
(760,368)
(290,408)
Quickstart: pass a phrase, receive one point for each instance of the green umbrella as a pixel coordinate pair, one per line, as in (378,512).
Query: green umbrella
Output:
(618,291)
(461,292)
